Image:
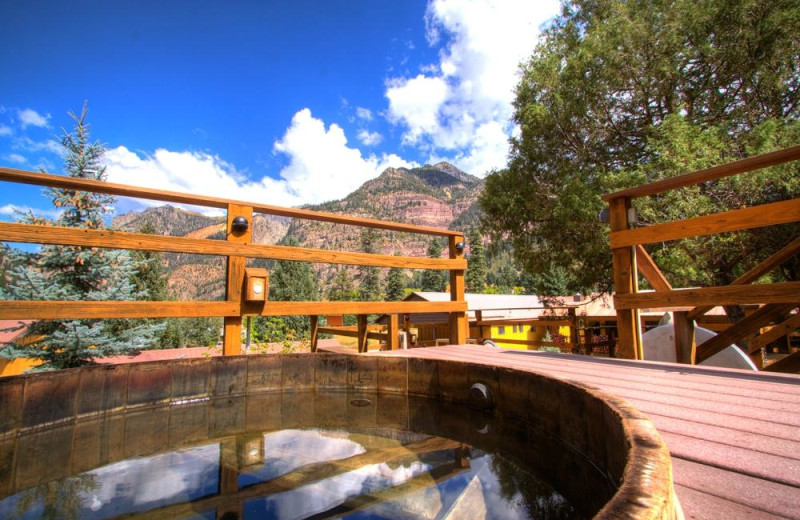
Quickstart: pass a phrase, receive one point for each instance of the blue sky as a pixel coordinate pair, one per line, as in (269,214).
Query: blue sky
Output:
(281,102)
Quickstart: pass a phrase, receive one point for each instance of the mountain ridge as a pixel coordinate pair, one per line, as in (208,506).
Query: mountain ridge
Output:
(432,195)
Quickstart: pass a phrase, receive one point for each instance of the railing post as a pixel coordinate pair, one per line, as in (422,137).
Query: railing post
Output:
(459,327)
(232,343)
(393,341)
(362,333)
(685,342)
(629,331)
(314,332)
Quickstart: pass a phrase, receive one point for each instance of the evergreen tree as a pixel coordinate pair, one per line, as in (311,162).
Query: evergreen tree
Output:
(77,273)
(618,93)
(396,283)
(288,281)
(342,288)
(434,281)
(369,287)
(151,276)
(475,277)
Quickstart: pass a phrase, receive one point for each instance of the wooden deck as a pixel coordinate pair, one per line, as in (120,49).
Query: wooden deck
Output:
(734,435)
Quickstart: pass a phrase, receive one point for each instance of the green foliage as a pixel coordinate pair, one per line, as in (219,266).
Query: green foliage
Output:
(434,281)
(476,276)
(396,283)
(77,273)
(341,287)
(369,287)
(289,281)
(611,97)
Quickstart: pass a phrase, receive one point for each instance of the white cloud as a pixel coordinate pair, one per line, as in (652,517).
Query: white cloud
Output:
(30,117)
(321,167)
(369,138)
(416,102)
(10,210)
(364,113)
(191,172)
(462,105)
(16,158)
(5,131)
(487,150)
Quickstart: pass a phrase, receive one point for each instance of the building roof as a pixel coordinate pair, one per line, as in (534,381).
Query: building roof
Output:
(12,330)
(528,306)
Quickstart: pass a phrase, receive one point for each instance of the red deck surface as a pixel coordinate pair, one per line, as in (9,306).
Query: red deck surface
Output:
(734,435)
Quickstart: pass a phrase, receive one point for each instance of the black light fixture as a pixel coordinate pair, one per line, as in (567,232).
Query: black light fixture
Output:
(239,225)
(460,248)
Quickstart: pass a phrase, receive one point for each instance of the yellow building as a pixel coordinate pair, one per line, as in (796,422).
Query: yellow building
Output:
(14,331)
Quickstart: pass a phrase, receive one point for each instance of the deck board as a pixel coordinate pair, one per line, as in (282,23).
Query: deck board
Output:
(734,435)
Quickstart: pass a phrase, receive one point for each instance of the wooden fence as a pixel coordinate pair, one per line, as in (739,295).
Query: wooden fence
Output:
(776,300)
(237,248)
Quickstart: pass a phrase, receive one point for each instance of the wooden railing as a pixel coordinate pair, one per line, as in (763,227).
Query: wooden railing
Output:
(629,256)
(237,248)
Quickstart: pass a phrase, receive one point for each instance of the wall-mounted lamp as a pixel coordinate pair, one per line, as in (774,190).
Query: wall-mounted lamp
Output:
(460,248)
(239,225)
(256,282)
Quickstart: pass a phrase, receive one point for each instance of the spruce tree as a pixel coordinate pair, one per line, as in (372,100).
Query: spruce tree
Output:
(342,288)
(434,281)
(288,281)
(475,277)
(77,273)
(396,283)
(369,287)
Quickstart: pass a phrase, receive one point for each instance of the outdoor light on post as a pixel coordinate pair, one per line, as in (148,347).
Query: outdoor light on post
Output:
(239,225)
(256,282)
(460,248)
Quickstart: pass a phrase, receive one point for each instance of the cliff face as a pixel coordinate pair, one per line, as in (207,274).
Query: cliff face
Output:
(429,196)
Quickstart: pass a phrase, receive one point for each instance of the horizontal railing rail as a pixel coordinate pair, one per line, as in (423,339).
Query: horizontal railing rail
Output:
(123,190)
(630,258)
(237,247)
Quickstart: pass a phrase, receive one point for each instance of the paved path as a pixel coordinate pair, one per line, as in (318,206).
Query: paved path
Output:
(734,435)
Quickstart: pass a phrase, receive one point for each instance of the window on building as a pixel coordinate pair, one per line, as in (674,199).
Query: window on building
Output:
(501,330)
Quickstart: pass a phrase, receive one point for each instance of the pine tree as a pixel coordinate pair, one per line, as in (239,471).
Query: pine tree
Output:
(396,283)
(475,277)
(288,281)
(369,287)
(434,281)
(342,288)
(77,273)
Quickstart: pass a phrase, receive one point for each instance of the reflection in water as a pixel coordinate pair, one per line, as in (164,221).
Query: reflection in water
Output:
(365,471)
(60,499)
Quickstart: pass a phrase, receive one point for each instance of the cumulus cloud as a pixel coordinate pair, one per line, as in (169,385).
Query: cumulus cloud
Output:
(369,138)
(320,167)
(30,117)
(5,131)
(192,172)
(461,105)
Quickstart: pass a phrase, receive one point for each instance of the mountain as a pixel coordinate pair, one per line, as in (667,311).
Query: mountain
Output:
(437,196)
